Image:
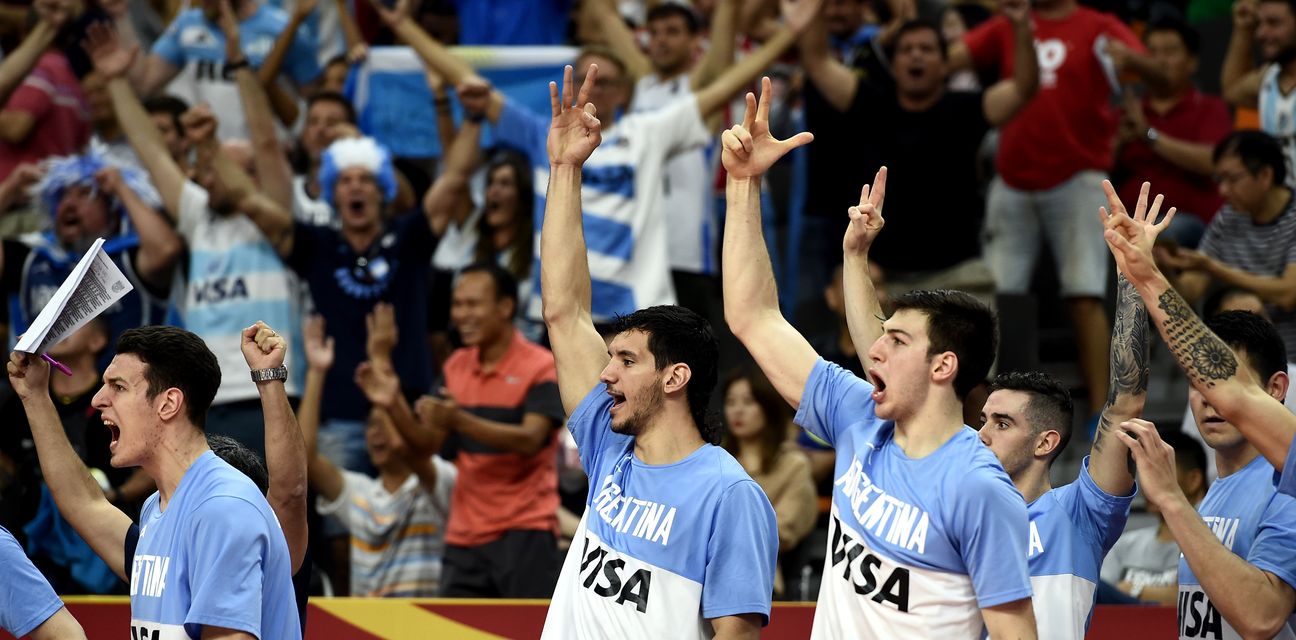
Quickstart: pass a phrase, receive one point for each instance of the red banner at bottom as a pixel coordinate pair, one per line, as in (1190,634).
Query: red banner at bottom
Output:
(396,619)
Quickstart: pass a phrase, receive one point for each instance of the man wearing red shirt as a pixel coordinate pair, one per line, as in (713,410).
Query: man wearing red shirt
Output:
(1053,158)
(1167,138)
(47,115)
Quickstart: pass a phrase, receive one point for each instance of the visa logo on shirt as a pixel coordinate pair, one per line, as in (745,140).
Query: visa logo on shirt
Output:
(1198,618)
(148,575)
(632,587)
(860,563)
(898,522)
(650,521)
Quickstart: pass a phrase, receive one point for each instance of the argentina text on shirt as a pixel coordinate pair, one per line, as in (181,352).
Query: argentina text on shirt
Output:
(644,519)
(897,522)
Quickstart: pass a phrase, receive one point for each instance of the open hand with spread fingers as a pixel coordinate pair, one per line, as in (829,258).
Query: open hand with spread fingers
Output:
(575,131)
(1132,237)
(866,217)
(749,149)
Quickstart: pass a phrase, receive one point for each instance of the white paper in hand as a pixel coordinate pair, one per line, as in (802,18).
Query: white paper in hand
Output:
(95,284)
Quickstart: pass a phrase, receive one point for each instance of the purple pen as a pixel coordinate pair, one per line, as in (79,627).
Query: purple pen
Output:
(57,365)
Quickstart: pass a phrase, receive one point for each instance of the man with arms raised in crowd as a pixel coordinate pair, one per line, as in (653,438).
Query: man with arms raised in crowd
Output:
(927,530)
(211,559)
(1236,576)
(677,540)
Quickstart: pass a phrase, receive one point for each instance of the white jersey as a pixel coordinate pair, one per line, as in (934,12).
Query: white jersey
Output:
(688,200)
(1278,116)
(621,195)
(917,547)
(661,549)
(1252,521)
(1071,529)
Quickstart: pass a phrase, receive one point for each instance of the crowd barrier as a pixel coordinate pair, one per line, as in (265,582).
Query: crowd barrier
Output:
(107,618)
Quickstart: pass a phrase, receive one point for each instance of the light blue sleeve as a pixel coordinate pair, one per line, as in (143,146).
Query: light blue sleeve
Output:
(1097,512)
(1274,548)
(993,528)
(523,129)
(1287,482)
(302,66)
(591,427)
(834,398)
(167,46)
(741,557)
(26,599)
(231,539)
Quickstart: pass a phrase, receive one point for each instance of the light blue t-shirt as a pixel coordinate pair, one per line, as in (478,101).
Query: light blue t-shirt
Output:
(1287,482)
(26,599)
(661,548)
(1242,511)
(215,557)
(916,546)
(1071,529)
(197,47)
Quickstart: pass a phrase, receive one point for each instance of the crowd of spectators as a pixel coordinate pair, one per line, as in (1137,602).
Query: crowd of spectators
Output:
(215,145)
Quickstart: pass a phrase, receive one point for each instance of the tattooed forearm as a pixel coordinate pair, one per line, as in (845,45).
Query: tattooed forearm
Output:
(1201,354)
(1129,354)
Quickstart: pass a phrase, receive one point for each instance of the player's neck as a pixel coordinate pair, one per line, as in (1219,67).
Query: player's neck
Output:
(1033,482)
(172,456)
(669,438)
(1231,460)
(935,422)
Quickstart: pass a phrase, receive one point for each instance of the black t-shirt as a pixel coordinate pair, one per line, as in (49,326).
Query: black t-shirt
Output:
(933,206)
(345,285)
(300,580)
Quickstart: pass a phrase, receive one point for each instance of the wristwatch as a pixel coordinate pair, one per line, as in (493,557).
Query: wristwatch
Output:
(1152,134)
(265,375)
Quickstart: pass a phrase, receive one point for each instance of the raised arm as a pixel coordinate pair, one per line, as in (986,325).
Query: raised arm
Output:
(284,103)
(160,246)
(863,312)
(618,36)
(1252,600)
(324,477)
(798,14)
(579,352)
(750,293)
(77,494)
(1003,100)
(19,62)
(724,38)
(1239,77)
(445,122)
(830,77)
(1209,363)
(285,449)
(111,61)
(1109,461)
(273,172)
(447,199)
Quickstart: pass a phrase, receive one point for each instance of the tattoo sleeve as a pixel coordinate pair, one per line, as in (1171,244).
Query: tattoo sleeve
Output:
(1201,354)
(1129,354)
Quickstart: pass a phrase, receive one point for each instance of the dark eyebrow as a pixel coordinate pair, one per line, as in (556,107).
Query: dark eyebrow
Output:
(623,353)
(1002,416)
(899,331)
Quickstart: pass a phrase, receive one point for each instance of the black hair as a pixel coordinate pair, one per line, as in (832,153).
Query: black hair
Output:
(170,105)
(523,221)
(677,335)
(1213,303)
(336,98)
(971,13)
(668,9)
(1188,35)
(239,456)
(506,285)
(1189,452)
(1265,350)
(958,323)
(175,358)
(1050,403)
(1256,150)
(923,24)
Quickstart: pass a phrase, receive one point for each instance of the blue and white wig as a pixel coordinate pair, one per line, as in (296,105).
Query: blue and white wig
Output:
(357,152)
(64,172)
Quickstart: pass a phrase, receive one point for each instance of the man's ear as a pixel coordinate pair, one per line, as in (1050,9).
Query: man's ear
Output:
(944,367)
(677,377)
(169,404)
